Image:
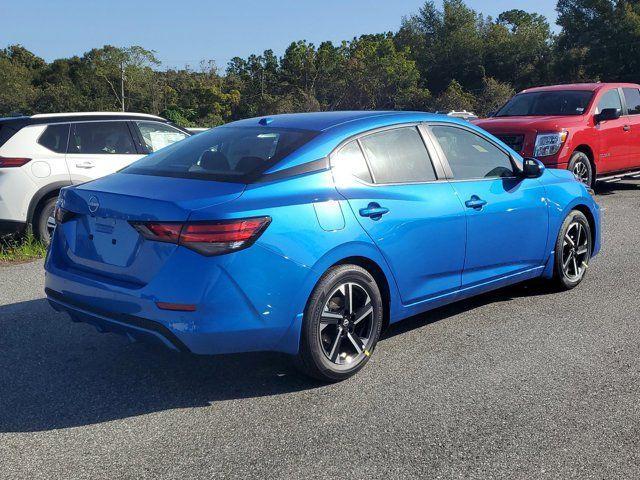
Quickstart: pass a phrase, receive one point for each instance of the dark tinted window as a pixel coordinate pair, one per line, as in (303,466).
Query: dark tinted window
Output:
(232,154)
(398,156)
(471,156)
(351,161)
(55,138)
(568,102)
(632,97)
(610,99)
(6,132)
(101,138)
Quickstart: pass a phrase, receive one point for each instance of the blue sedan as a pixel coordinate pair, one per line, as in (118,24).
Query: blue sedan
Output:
(310,233)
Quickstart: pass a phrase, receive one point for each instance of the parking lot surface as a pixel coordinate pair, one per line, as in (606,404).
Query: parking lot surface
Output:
(521,383)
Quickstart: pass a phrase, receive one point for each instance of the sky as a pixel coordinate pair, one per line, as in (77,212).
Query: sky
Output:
(185,32)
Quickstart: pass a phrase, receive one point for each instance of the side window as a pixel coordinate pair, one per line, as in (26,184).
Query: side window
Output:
(610,99)
(158,135)
(632,97)
(471,156)
(55,138)
(350,160)
(398,156)
(101,138)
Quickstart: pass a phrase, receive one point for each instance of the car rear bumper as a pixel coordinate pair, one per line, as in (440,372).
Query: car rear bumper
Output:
(236,308)
(137,328)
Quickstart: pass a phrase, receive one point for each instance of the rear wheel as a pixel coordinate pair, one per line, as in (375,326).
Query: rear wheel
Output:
(573,251)
(341,325)
(582,169)
(44,222)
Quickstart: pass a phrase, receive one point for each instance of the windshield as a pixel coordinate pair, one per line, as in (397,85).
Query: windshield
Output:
(226,154)
(567,102)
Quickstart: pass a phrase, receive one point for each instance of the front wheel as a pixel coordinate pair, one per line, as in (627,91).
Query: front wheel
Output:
(341,325)
(573,251)
(581,167)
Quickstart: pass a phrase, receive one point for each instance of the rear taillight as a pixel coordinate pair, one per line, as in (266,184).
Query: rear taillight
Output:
(206,238)
(8,162)
(61,215)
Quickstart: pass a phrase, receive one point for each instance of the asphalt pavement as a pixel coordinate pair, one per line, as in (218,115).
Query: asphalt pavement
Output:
(522,383)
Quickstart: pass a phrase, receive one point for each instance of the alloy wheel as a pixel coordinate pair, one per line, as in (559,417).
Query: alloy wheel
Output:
(581,172)
(575,251)
(346,325)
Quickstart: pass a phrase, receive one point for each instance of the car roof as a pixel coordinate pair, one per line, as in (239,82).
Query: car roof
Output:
(323,121)
(592,87)
(42,118)
(337,127)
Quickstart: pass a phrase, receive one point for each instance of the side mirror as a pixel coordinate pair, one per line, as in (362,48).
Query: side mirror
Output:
(608,114)
(532,168)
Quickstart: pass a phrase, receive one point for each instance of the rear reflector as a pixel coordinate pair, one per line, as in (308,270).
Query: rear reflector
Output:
(206,238)
(6,162)
(176,307)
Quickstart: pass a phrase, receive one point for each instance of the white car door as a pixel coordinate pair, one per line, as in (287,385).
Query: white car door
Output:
(99,148)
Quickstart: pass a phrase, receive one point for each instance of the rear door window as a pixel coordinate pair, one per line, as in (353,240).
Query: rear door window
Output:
(470,156)
(632,97)
(55,138)
(106,138)
(157,135)
(351,160)
(398,156)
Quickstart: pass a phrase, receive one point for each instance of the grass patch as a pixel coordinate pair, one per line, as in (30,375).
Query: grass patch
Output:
(21,249)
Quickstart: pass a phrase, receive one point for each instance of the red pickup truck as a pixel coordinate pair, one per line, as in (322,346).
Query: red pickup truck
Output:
(592,129)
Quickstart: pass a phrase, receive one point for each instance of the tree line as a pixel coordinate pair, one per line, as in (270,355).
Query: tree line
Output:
(439,59)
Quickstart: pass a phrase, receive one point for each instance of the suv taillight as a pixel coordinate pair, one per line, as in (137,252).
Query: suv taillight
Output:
(206,238)
(8,162)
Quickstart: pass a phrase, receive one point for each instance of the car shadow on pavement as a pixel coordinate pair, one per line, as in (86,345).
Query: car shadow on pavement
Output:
(58,374)
(612,187)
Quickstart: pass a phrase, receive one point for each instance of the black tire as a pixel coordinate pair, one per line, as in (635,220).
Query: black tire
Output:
(581,167)
(41,228)
(572,254)
(318,331)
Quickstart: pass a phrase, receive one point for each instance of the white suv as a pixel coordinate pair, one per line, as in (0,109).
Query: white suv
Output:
(43,153)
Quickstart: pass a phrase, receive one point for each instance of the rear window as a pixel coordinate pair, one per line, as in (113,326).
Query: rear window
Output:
(227,154)
(6,132)
(55,138)
(632,97)
(553,102)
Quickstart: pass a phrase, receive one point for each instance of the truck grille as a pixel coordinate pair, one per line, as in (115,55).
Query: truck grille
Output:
(515,142)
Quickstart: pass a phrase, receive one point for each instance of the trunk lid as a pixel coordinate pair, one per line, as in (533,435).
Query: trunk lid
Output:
(100,239)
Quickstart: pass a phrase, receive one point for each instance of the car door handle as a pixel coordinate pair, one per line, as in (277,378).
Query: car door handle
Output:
(626,128)
(87,164)
(373,211)
(475,202)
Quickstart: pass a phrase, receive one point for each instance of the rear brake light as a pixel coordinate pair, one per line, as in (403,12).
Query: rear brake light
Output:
(6,162)
(61,215)
(206,238)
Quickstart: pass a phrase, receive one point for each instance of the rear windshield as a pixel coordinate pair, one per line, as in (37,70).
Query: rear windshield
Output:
(226,154)
(561,102)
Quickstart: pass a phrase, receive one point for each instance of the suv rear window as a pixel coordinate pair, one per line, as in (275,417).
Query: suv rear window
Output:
(550,102)
(55,138)
(6,132)
(227,154)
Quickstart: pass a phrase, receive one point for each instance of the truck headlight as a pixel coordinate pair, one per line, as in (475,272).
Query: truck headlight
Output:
(549,143)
